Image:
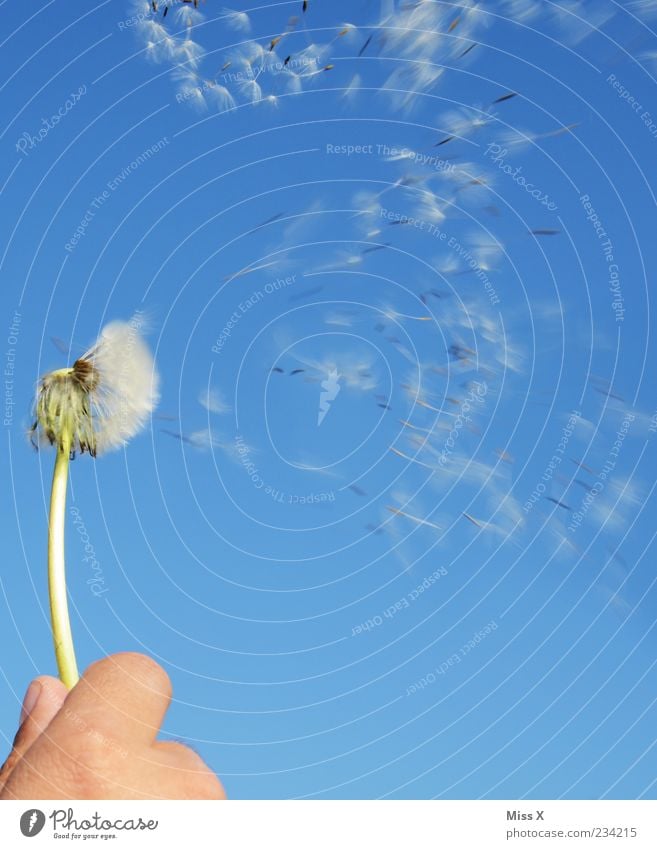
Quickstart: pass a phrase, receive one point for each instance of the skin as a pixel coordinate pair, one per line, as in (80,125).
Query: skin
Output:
(98,741)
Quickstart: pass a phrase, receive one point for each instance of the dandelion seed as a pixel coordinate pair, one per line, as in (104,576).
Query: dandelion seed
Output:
(521,10)
(581,465)
(474,521)
(365,45)
(213,401)
(188,52)
(160,46)
(189,88)
(416,519)
(307,293)
(505,97)
(354,85)
(250,90)
(237,20)
(249,270)
(557,502)
(177,435)
(188,16)
(411,459)
(566,129)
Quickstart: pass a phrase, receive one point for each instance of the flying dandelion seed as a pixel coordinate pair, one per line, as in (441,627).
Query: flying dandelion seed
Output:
(213,401)
(219,96)
(250,90)
(237,20)
(93,406)
(417,519)
(504,97)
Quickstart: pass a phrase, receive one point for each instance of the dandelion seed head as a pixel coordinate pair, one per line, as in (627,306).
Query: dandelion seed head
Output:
(103,399)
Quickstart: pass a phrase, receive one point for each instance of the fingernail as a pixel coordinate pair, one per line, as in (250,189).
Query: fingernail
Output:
(30,700)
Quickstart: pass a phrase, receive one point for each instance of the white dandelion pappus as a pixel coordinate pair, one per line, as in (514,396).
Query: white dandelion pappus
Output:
(189,88)
(213,401)
(188,15)
(250,90)
(577,21)
(239,21)
(310,61)
(351,90)
(430,208)
(220,96)
(159,45)
(128,384)
(188,52)
(648,8)
(520,10)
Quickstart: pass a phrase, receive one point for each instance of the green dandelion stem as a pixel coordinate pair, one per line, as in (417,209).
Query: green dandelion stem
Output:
(61,625)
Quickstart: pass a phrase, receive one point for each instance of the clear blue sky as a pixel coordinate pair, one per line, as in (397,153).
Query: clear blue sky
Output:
(333,624)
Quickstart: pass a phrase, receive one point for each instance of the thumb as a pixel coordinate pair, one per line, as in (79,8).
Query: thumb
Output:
(43,699)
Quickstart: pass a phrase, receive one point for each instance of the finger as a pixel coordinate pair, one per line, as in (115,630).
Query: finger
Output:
(121,698)
(42,701)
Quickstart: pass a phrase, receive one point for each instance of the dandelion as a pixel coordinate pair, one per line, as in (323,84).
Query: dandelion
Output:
(95,405)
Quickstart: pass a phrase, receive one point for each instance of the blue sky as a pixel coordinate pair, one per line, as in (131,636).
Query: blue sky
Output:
(478,311)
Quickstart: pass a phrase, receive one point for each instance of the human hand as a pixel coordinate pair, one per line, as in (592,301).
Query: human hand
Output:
(99,740)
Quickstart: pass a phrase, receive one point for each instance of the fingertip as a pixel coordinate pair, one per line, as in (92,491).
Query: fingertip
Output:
(43,698)
(135,669)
